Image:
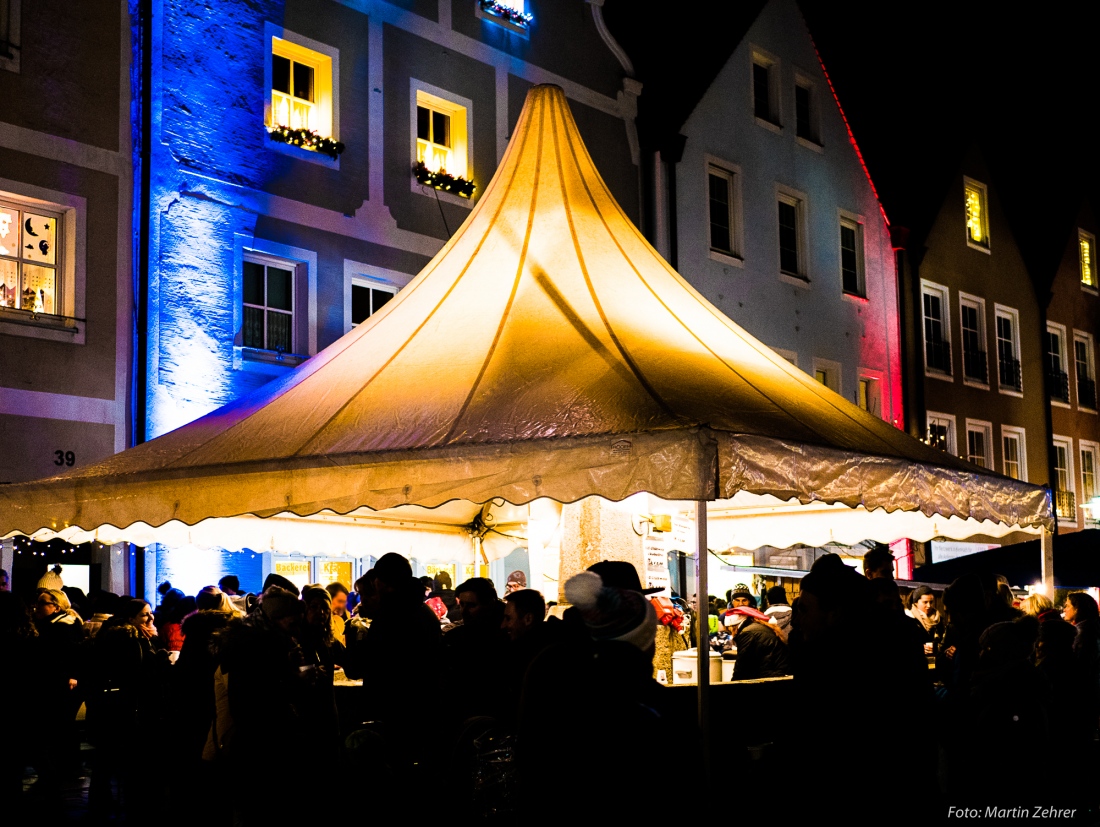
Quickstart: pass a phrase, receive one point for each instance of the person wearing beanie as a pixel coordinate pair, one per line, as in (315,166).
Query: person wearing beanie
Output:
(51,579)
(612,613)
(281,582)
(59,638)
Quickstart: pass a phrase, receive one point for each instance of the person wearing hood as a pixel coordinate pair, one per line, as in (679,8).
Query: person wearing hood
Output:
(60,636)
(779,610)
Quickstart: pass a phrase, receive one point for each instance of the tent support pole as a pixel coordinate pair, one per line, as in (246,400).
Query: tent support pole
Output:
(1046,567)
(702,667)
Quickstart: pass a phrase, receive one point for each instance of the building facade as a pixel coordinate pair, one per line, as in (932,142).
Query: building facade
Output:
(309,157)
(1069,352)
(66,279)
(978,370)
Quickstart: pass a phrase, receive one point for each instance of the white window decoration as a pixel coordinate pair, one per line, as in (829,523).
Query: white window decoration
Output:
(29,258)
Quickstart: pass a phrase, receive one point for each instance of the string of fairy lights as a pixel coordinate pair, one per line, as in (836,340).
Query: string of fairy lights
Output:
(306,139)
(506,12)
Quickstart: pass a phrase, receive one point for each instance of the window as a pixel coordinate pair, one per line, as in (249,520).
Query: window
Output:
(441,133)
(803,113)
(1054,360)
(792,235)
(1086,243)
(941,431)
(972,316)
(979,443)
(1089,452)
(1009,375)
(723,201)
(9,35)
(1086,377)
(511,14)
(268,319)
(851,257)
(976,206)
(765,88)
(935,299)
(827,372)
(29,260)
(367,298)
(1064,503)
(1013,452)
(868,393)
(303,81)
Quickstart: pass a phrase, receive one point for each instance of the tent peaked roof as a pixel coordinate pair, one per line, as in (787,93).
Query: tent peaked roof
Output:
(546,350)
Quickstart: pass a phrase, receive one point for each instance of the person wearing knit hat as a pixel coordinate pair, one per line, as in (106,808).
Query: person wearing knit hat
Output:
(281,607)
(611,613)
(51,579)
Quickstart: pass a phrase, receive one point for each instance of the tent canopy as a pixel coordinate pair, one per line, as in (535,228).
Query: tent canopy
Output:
(546,351)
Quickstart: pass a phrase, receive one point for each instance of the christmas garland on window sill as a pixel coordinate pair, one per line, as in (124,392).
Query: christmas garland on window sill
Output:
(505,12)
(443,180)
(306,139)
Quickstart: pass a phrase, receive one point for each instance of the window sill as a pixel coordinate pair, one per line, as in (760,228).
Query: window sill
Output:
(50,328)
(981,248)
(255,360)
(304,154)
(975,383)
(1083,409)
(935,374)
(445,197)
(855,298)
(726,258)
(524,30)
(1088,288)
(810,144)
(798,281)
(1058,403)
(1011,392)
(764,122)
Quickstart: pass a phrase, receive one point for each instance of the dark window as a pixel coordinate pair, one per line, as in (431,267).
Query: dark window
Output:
(1057,378)
(974,359)
(721,237)
(937,350)
(803,126)
(303,82)
(423,123)
(1009,372)
(280,74)
(937,434)
(975,447)
(1086,385)
(761,93)
(433,126)
(849,260)
(268,292)
(366,301)
(788,238)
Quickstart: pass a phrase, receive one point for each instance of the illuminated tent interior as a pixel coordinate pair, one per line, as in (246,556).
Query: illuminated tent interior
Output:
(547,351)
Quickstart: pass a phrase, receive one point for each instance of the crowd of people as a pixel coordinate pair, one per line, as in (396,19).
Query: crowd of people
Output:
(228,701)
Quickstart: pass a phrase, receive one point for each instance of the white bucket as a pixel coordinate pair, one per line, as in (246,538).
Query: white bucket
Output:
(683,666)
(727,670)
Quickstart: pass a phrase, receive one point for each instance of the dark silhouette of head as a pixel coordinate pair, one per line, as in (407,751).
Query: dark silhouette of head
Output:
(230,584)
(477,598)
(524,609)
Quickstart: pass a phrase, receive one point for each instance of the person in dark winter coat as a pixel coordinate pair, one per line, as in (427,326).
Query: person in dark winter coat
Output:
(321,652)
(193,674)
(19,644)
(60,633)
(1081,610)
(474,651)
(760,651)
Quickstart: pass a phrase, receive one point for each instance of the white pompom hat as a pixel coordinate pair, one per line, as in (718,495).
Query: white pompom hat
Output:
(610,613)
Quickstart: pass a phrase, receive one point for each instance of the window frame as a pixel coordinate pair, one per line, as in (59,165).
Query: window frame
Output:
(1086,236)
(732,174)
(983,198)
(1093,449)
(1059,330)
(854,222)
(1003,311)
(980,426)
(874,379)
(295,312)
(523,31)
(951,436)
(1081,337)
(943,293)
(326,80)
(461,111)
(1020,435)
(798,200)
(773,66)
(72,215)
(357,272)
(833,374)
(974,303)
(1066,442)
(805,81)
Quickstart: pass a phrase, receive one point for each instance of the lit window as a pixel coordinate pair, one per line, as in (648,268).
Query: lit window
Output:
(941,431)
(367,298)
(723,211)
(29,246)
(937,330)
(868,395)
(791,235)
(1009,375)
(827,372)
(268,318)
(1086,376)
(1013,448)
(301,94)
(979,439)
(441,135)
(1087,244)
(1064,500)
(1088,472)
(972,313)
(851,256)
(976,205)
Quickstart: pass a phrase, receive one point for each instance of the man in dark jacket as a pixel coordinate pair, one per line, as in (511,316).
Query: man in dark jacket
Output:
(760,651)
